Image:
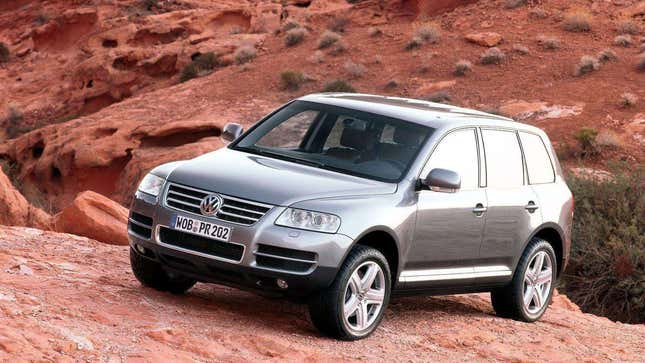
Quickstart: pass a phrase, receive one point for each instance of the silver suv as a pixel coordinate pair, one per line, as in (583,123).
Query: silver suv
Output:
(346,199)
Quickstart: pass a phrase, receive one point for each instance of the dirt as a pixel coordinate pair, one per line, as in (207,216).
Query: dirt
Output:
(66,298)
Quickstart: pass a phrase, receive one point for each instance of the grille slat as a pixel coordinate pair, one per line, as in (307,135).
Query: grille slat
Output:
(140,225)
(225,250)
(285,259)
(233,209)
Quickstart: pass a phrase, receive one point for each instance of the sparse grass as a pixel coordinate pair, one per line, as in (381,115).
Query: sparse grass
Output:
(586,65)
(538,13)
(4,53)
(640,65)
(244,54)
(200,66)
(429,33)
(607,55)
(374,32)
(355,70)
(607,268)
(462,67)
(492,56)
(623,40)
(548,42)
(414,43)
(520,49)
(439,97)
(628,27)
(292,80)
(586,138)
(327,39)
(577,21)
(512,4)
(318,57)
(294,36)
(628,99)
(339,86)
(608,140)
(338,23)
(338,48)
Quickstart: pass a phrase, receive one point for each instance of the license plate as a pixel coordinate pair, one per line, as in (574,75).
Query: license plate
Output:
(201,228)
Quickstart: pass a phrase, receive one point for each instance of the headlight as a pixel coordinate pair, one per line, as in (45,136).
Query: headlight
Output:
(151,184)
(305,219)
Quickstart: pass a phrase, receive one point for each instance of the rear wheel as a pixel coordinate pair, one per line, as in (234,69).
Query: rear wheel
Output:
(151,274)
(352,307)
(528,295)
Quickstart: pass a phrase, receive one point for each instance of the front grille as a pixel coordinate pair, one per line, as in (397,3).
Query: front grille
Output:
(286,259)
(233,209)
(225,250)
(140,225)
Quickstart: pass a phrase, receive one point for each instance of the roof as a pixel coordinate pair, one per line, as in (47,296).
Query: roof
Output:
(435,115)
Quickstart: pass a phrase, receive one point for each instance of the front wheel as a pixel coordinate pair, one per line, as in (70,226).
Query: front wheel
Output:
(151,274)
(528,295)
(352,307)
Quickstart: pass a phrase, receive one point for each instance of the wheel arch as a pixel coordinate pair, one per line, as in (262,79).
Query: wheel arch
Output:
(553,234)
(385,241)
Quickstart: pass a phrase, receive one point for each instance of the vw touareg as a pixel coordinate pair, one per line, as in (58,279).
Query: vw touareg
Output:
(346,199)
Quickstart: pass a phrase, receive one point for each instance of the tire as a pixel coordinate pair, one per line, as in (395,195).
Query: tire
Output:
(326,308)
(509,301)
(151,274)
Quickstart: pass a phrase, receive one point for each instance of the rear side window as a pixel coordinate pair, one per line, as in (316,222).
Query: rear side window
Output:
(503,159)
(457,152)
(537,158)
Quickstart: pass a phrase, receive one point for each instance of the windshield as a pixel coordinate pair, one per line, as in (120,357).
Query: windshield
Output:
(339,139)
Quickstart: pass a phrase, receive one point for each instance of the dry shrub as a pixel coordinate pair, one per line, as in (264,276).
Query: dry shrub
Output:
(624,40)
(512,4)
(607,55)
(294,36)
(4,53)
(462,67)
(521,49)
(587,64)
(549,42)
(374,32)
(290,24)
(338,23)
(318,57)
(608,139)
(606,275)
(538,13)
(327,39)
(429,33)
(628,99)
(292,80)
(244,54)
(414,43)
(492,56)
(201,65)
(628,27)
(439,97)
(338,48)
(339,86)
(586,138)
(577,21)
(13,123)
(355,70)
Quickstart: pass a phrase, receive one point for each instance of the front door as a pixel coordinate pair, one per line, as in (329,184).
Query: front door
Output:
(449,226)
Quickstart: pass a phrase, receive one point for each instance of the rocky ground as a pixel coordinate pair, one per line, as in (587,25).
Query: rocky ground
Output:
(68,298)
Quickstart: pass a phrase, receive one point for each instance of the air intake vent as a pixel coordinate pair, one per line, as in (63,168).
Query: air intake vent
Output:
(140,225)
(224,250)
(233,209)
(285,259)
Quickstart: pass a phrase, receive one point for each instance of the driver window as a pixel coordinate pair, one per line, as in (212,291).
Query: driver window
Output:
(289,133)
(457,151)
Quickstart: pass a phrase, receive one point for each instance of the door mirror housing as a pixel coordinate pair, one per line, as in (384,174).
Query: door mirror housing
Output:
(443,180)
(231,132)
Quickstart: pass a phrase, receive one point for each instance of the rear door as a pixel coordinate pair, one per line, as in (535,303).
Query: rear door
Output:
(513,207)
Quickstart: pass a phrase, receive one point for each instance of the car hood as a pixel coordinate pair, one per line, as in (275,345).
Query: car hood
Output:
(278,182)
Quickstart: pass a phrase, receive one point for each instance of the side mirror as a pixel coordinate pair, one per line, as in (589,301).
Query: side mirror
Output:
(443,180)
(231,132)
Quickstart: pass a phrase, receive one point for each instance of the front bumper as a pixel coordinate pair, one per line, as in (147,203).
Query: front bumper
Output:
(324,251)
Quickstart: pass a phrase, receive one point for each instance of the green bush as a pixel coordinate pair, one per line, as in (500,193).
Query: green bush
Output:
(586,138)
(4,53)
(606,274)
(339,86)
(201,65)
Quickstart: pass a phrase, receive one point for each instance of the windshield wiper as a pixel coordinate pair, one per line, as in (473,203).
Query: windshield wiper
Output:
(282,156)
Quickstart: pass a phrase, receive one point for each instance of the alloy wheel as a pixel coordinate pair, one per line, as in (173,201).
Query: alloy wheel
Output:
(537,282)
(364,296)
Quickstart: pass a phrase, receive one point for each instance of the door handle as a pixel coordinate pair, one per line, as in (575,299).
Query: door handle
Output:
(531,207)
(479,209)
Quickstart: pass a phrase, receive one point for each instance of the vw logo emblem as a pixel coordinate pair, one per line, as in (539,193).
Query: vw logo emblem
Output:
(210,204)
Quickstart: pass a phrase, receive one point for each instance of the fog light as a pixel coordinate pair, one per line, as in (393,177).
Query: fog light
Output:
(281,283)
(141,249)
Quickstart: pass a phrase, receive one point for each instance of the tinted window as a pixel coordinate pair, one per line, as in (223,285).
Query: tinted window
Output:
(503,159)
(339,139)
(537,158)
(457,151)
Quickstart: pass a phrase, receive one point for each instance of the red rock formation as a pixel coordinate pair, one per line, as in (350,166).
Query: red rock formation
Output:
(15,210)
(95,216)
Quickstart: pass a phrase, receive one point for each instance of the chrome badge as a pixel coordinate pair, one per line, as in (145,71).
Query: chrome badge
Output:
(210,204)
